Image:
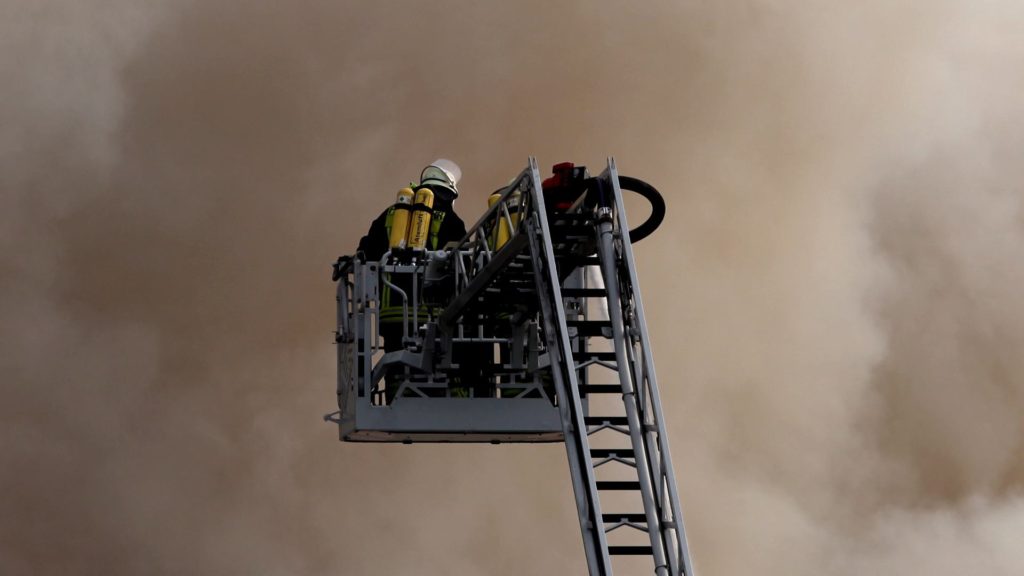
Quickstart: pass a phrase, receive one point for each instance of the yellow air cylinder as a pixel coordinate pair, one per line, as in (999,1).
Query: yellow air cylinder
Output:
(502,232)
(400,218)
(419,228)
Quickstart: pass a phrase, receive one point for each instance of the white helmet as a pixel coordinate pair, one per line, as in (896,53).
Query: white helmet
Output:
(443,173)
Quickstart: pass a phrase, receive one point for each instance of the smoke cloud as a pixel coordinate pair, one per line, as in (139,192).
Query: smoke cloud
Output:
(836,288)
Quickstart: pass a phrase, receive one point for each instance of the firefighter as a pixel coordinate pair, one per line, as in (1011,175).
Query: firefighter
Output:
(439,186)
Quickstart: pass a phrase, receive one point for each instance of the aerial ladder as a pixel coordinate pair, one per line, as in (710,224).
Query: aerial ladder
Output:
(531,328)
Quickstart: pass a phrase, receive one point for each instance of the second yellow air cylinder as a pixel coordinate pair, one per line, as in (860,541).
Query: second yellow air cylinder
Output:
(419,228)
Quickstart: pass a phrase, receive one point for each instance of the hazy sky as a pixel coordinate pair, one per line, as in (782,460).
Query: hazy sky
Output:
(835,296)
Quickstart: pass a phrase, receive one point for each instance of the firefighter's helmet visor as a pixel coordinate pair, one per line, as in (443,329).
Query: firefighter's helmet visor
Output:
(443,173)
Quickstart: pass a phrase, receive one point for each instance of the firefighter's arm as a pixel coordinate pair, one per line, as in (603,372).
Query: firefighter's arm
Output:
(374,244)
(453,229)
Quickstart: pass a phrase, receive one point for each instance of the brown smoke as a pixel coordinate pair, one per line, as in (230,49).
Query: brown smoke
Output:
(836,290)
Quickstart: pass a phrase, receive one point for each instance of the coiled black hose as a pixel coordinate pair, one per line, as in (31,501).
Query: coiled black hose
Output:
(657,206)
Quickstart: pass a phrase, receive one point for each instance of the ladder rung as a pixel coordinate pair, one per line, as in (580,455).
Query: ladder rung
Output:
(588,323)
(606,452)
(618,485)
(603,356)
(584,292)
(613,420)
(630,550)
(601,389)
(581,260)
(628,517)
(589,327)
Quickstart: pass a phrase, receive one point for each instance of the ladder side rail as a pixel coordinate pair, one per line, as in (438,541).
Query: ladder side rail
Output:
(634,357)
(651,381)
(570,405)
(639,372)
(652,431)
(629,393)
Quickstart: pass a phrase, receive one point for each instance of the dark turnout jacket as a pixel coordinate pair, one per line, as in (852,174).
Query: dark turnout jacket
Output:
(452,229)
